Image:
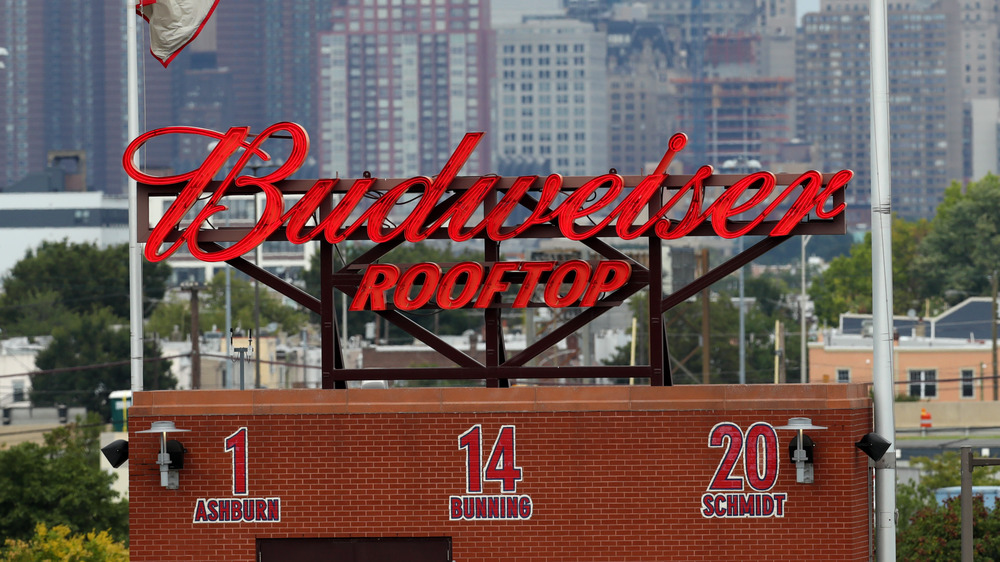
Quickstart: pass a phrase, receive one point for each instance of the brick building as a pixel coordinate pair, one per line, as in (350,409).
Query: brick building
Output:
(942,358)
(525,473)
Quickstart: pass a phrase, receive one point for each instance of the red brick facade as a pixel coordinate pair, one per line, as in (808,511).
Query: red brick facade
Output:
(613,473)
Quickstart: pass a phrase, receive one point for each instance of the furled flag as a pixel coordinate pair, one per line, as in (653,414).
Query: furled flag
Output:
(173,24)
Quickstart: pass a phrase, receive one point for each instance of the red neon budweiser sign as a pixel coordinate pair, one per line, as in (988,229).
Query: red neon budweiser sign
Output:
(603,199)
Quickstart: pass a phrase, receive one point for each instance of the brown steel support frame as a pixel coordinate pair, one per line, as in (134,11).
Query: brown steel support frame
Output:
(497,369)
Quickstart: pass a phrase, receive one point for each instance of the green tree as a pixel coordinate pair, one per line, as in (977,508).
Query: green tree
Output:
(684,338)
(242,304)
(57,543)
(940,471)
(212,309)
(768,293)
(928,531)
(61,276)
(846,286)
(91,353)
(935,533)
(38,312)
(963,247)
(638,304)
(59,483)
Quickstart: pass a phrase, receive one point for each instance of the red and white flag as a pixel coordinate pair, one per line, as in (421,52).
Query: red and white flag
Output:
(173,24)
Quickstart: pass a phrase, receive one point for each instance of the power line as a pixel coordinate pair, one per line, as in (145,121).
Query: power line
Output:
(90,367)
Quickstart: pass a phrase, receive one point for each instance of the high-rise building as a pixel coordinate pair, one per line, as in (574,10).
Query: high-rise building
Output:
(401,84)
(694,17)
(833,101)
(743,118)
(640,94)
(551,94)
(62,88)
(253,65)
(980,46)
(712,42)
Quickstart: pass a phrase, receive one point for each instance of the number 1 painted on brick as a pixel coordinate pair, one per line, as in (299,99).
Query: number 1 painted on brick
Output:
(472,442)
(237,443)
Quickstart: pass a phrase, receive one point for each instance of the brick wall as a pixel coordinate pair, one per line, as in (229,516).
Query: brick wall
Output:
(613,473)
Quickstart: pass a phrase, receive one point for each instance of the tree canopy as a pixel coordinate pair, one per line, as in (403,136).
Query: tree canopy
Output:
(78,294)
(59,278)
(936,263)
(58,543)
(962,248)
(683,327)
(932,532)
(59,483)
(91,355)
(846,286)
(212,309)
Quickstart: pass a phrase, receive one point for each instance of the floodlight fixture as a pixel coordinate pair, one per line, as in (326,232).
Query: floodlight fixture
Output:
(116,452)
(873,445)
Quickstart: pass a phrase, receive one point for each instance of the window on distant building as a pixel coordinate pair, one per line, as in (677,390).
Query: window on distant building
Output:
(968,383)
(843,375)
(923,383)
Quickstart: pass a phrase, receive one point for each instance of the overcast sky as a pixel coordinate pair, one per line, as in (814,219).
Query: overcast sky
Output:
(804,7)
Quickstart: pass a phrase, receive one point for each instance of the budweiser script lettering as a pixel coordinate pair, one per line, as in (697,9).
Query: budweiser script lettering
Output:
(808,189)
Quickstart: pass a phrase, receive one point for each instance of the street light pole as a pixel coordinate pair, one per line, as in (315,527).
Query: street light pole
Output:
(882,360)
(743,322)
(259,262)
(227,381)
(803,372)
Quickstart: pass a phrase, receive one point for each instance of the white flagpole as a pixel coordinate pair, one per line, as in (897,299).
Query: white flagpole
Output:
(882,367)
(134,251)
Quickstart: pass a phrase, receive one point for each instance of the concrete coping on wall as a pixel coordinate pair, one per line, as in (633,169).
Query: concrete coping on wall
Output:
(791,397)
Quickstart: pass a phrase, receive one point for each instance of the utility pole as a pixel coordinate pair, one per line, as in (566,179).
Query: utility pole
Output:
(193,288)
(993,324)
(779,352)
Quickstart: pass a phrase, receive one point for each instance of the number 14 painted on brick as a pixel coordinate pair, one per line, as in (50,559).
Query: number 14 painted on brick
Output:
(500,466)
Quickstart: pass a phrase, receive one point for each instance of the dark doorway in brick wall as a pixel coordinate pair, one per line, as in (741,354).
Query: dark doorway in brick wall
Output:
(374,549)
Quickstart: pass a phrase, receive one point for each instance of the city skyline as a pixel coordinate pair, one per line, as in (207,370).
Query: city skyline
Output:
(717,80)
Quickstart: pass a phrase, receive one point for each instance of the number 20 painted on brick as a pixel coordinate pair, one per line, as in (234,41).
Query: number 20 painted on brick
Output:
(759,449)
(501,465)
